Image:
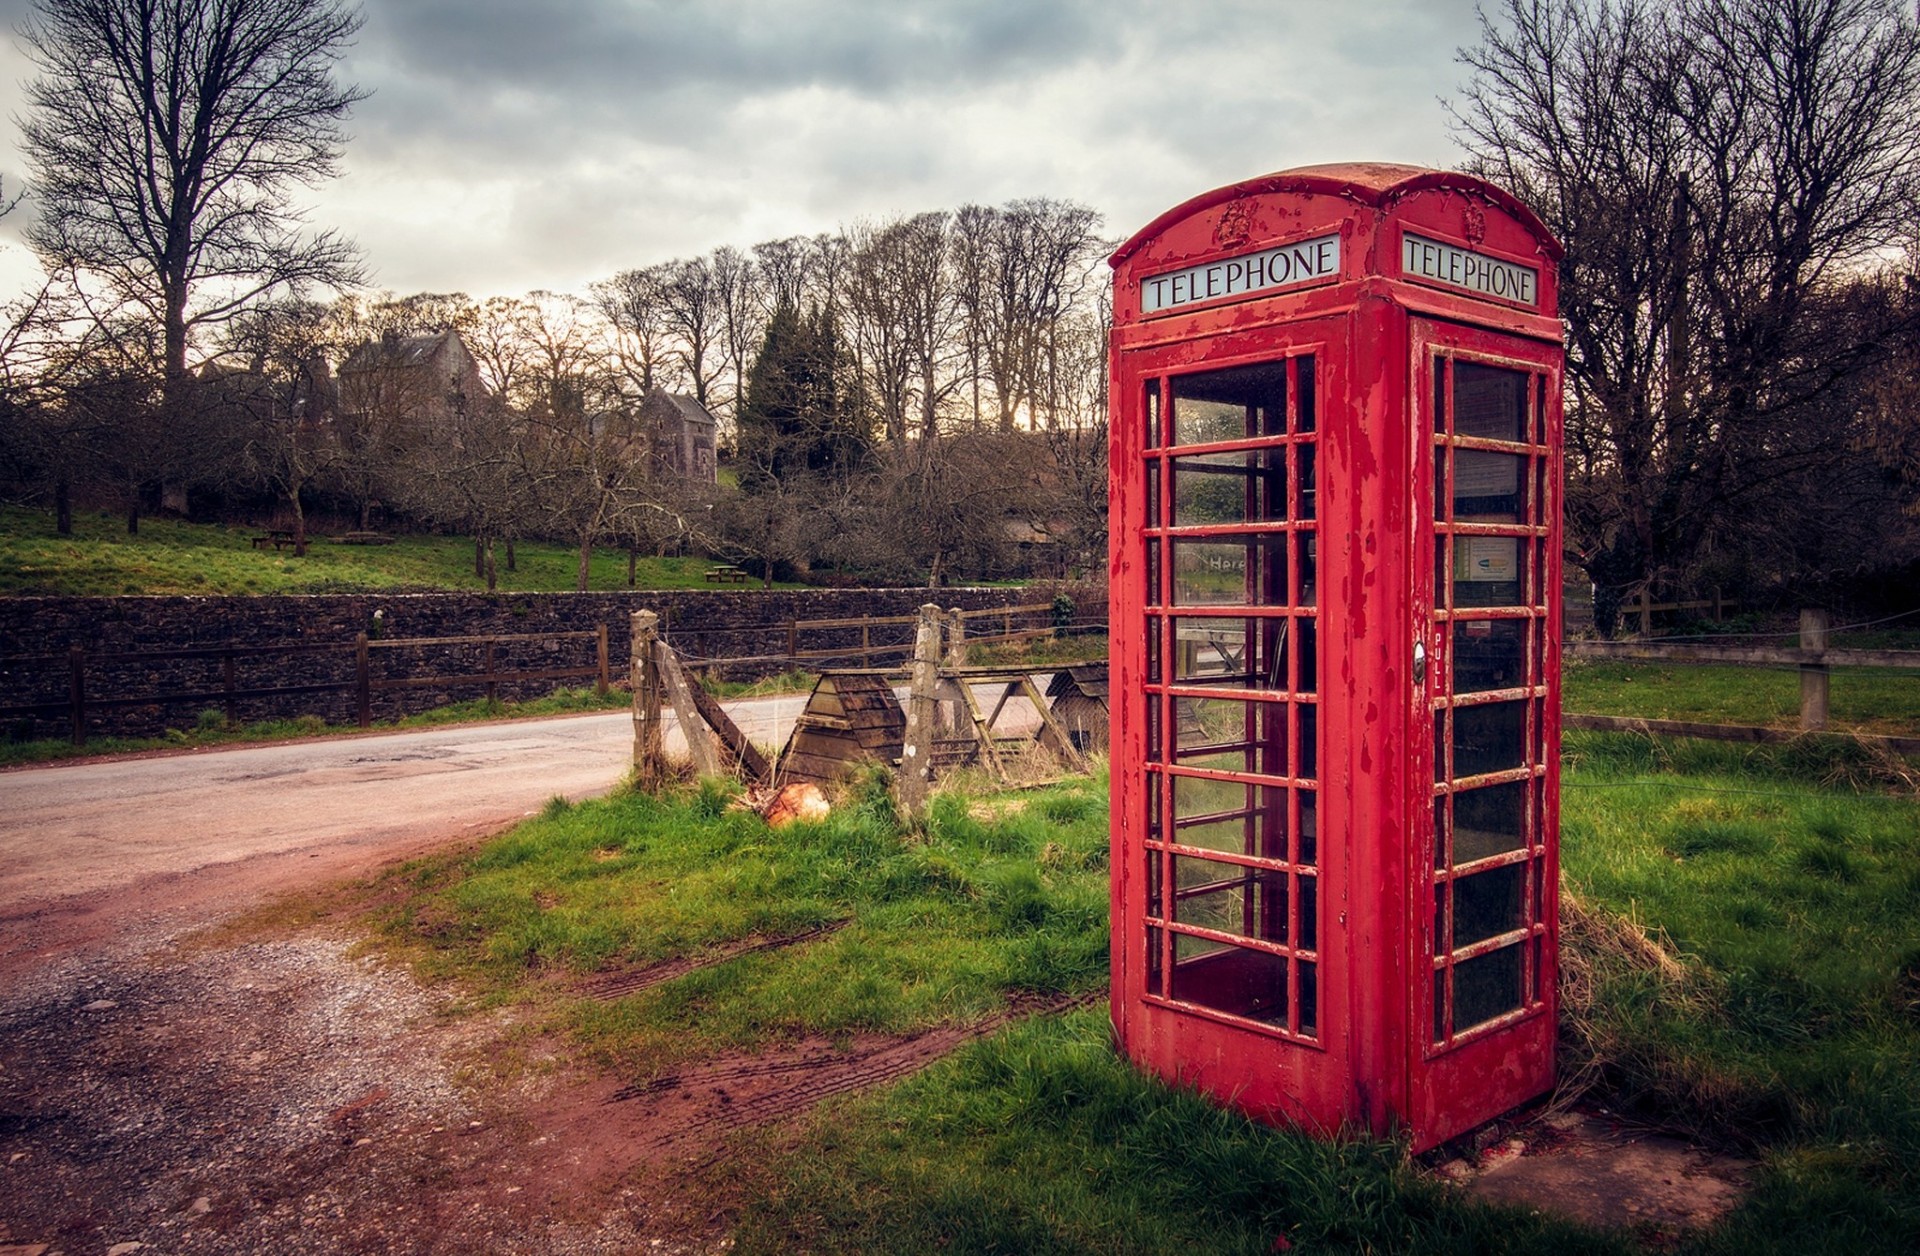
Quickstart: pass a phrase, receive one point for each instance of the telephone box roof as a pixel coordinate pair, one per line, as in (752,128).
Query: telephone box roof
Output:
(1375,183)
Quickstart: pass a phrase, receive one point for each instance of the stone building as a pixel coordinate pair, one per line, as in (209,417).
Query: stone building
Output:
(683,433)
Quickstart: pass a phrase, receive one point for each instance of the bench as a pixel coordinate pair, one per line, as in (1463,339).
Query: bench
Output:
(364,538)
(274,537)
(726,575)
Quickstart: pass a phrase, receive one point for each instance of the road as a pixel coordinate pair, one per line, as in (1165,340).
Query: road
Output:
(215,829)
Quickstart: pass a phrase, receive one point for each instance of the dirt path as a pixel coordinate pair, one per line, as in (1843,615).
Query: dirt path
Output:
(285,1094)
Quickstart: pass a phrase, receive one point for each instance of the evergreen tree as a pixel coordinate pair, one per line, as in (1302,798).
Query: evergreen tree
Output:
(802,414)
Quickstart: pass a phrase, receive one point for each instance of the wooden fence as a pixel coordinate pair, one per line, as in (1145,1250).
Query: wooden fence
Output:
(1814,658)
(868,650)
(97,681)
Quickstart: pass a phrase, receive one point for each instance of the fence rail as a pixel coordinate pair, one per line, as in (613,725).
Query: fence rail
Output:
(1814,658)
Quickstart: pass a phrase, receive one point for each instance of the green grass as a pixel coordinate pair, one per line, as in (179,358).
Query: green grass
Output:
(1785,877)
(942,926)
(1790,884)
(171,557)
(212,728)
(1864,700)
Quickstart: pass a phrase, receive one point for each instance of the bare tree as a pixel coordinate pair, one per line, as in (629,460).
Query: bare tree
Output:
(692,306)
(1022,270)
(166,137)
(1722,172)
(632,306)
(280,394)
(904,314)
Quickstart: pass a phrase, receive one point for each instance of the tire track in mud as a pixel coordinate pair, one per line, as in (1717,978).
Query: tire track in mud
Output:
(690,1113)
(606,987)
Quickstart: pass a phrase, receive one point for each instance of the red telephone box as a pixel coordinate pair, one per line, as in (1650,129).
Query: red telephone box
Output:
(1335,514)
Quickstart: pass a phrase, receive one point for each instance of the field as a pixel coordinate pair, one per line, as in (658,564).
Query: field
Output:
(1782,883)
(1863,700)
(171,557)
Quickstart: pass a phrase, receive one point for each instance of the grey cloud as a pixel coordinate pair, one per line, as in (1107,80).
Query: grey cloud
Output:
(593,50)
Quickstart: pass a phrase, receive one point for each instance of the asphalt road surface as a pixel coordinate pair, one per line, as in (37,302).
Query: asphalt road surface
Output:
(192,833)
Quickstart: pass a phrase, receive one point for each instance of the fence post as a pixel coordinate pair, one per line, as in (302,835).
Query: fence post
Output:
(1813,676)
(649,759)
(866,641)
(493,682)
(77,692)
(916,754)
(600,636)
(363,681)
(793,641)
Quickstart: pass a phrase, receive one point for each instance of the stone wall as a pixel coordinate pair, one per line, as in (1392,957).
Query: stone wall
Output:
(740,634)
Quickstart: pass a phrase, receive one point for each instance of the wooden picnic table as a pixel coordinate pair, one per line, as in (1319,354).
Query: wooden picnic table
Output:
(726,575)
(279,538)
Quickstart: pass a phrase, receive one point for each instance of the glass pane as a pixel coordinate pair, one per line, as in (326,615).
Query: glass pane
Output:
(1307,546)
(1440,493)
(1156,748)
(1489,821)
(1306,419)
(1307,633)
(1230,405)
(1485,987)
(1439,398)
(1489,401)
(1309,999)
(1197,796)
(1228,898)
(1230,653)
(1154,941)
(1232,818)
(1304,456)
(1153,649)
(1309,742)
(1489,654)
(1490,738)
(1203,422)
(1309,827)
(1242,486)
(1155,819)
(1487,904)
(1489,570)
(1440,1006)
(1309,913)
(1186,947)
(1153,414)
(1486,487)
(1230,736)
(1153,493)
(1153,572)
(1230,571)
(1229,979)
(1156,906)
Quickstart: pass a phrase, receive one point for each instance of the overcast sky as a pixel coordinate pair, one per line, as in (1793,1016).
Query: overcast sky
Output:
(511,145)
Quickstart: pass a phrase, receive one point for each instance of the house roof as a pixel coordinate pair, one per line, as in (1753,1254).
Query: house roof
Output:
(398,351)
(690,411)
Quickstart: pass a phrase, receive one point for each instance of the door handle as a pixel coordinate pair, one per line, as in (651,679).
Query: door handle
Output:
(1419,662)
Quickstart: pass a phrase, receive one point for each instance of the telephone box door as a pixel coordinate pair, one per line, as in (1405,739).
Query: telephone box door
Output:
(1486,575)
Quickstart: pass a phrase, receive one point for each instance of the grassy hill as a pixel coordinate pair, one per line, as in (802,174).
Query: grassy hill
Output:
(172,557)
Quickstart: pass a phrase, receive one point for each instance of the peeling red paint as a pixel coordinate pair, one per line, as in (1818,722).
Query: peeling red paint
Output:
(1270,659)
